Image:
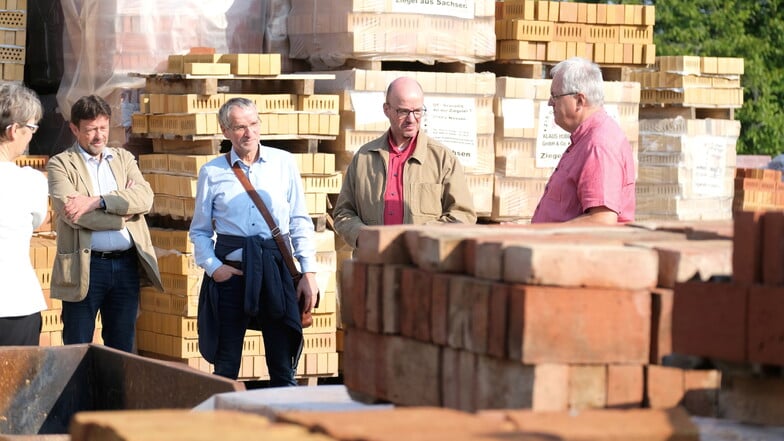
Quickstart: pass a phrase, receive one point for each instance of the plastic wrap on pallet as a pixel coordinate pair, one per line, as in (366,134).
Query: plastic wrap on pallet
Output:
(105,40)
(328,33)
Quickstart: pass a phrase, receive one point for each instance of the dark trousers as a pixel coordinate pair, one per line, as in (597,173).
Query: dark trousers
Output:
(114,291)
(20,331)
(282,345)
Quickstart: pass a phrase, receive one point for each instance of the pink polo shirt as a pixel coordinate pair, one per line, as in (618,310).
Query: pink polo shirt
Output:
(596,170)
(393,193)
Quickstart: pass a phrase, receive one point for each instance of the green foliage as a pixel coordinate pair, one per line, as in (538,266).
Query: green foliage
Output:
(753,30)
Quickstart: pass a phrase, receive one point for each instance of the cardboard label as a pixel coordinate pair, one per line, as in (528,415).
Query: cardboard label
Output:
(552,141)
(451,8)
(518,113)
(368,107)
(710,166)
(453,122)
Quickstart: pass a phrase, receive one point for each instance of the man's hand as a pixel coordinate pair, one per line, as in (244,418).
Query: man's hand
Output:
(224,273)
(308,288)
(78,205)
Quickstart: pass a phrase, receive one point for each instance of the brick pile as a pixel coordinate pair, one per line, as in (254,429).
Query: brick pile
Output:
(542,317)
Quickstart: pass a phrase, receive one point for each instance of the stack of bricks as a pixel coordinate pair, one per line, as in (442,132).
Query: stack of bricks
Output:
(474,317)
(550,31)
(758,189)
(688,137)
(329,33)
(736,324)
(705,82)
(194,114)
(459,114)
(13,34)
(528,144)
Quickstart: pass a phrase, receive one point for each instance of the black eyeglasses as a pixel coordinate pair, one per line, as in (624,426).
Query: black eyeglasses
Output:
(552,97)
(403,113)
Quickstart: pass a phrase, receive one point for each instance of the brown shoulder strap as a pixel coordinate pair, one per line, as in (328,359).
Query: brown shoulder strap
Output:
(254,195)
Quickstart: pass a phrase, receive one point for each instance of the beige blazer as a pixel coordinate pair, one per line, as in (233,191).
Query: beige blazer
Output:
(68,174)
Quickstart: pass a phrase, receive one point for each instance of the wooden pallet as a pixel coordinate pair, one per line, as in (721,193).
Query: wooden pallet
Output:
(517,69)
(374,63)
(175,83)
(687,112)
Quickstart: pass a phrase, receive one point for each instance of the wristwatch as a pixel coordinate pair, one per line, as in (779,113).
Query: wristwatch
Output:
(102,204)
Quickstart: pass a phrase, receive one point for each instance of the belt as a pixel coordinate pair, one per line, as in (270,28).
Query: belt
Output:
(234,264)
(113,254)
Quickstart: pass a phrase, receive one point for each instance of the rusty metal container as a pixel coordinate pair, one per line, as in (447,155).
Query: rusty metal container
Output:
(42,387)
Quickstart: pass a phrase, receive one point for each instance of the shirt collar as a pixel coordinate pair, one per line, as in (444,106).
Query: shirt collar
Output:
(105,154)
(234,157)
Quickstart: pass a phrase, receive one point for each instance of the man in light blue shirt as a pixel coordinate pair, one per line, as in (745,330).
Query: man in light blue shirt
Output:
(247,283)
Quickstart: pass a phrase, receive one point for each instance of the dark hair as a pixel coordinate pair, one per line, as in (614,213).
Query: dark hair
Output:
(89,108)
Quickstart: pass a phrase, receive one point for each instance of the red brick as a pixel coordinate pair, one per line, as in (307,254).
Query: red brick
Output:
(601,425)
(551,387)
(498,322)
(415,301)
(353,287)
(747,247)
(503,384)
(412,372)
(439,309)
(587,387)
(373,286)
(682,260)
(458,379)
(382,244)
(709,320)
(625,385)
(360,359)
(766,325)
(578,325)
(570,265)
(701,392)
(390,299)
(469,300)
(439,250)
(664,386)
(661,324)
(773,248)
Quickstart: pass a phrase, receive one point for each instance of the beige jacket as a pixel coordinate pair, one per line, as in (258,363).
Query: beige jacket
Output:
(434,188)
(68,174)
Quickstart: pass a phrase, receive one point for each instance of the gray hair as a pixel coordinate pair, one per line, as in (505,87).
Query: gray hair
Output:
(223,113)
(18,104)
(581,75)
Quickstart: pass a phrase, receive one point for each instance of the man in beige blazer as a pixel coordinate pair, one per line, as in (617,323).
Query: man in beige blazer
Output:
(104,251)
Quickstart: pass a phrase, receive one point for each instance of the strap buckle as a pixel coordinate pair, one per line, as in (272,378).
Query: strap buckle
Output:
(275,231)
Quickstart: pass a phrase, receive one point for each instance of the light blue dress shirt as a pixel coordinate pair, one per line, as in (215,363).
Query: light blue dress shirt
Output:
(104,182)
(221,198)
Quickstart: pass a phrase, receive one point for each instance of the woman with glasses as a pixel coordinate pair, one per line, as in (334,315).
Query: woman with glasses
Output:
(24,199)
(403,177)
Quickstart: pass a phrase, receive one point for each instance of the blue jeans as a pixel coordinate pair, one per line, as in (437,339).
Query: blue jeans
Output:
(114,291)
(282,345)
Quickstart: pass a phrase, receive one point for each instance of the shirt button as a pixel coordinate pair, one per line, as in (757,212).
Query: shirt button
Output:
(395,175)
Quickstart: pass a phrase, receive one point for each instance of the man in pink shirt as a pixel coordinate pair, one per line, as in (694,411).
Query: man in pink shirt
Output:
(594,180)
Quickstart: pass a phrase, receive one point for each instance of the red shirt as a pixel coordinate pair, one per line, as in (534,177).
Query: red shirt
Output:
(393,193)
(596,170)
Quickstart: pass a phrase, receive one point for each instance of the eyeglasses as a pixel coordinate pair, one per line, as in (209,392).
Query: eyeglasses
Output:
(403,113)
(33,127)
(553,97)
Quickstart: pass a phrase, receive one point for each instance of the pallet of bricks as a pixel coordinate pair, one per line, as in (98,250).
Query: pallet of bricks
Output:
(366,33)
(179,113)
(43,249)
(13,34)
(502,317)
(688,137)
(532,36)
